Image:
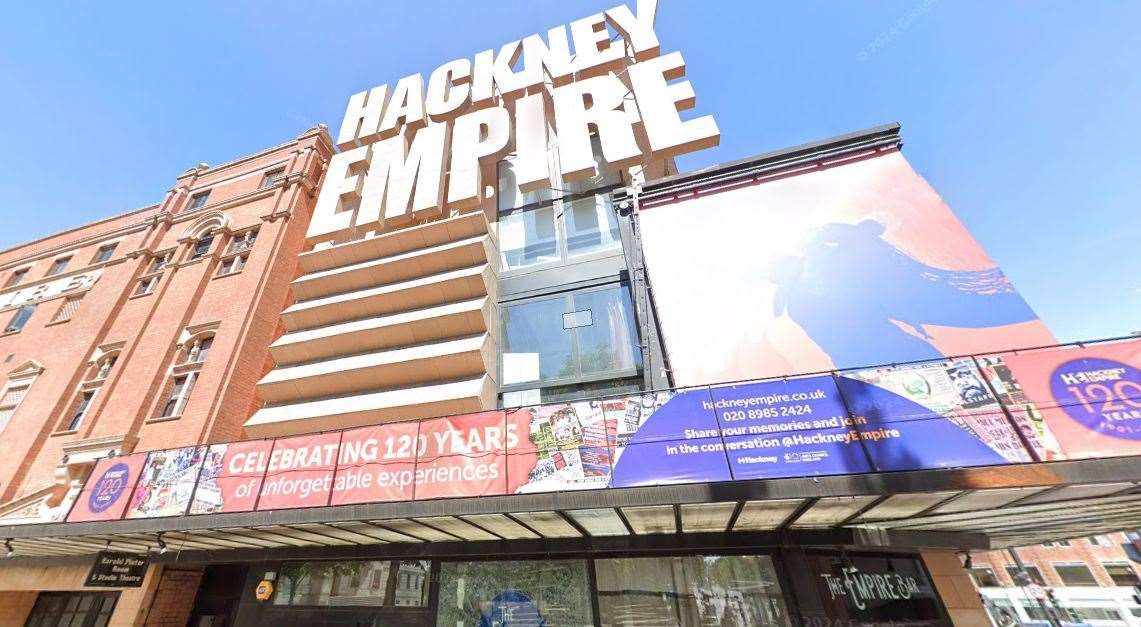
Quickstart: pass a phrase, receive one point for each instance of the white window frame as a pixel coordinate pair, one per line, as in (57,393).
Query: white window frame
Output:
(183,396)
(66,262)
(74,422)
(20,380)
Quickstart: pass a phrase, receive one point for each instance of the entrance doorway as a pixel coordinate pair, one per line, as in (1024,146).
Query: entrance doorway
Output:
(218,596)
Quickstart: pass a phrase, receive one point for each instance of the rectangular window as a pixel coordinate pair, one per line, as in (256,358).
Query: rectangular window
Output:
(591,225)
(1056,543)
(534,592)
(10,402)
(104,253)
(362,583)
(233,265)
(413,591)
(245,241)
(600,341)
(270,179)
(158,264)
(690,591)
(79,410)
(983,577)
(558,232)
(1097,613)
(20,318)
(67,308)
(1035,576)
(198,200)
(202,246)
(1075,574)
(105,367)
(1100,540)
(199,351)
(85,609)
(16,277)
(146,285)
(13,396)
(528,238)
(552,226)
(58,266)
(180,390)
(1122,574)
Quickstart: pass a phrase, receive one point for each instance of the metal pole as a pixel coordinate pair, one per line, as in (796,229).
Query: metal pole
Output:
(1050,616)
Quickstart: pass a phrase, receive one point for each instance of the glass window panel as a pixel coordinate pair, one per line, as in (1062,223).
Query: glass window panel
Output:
(412,583)
(1122,574)
(1032,572)
(984,577)
(199,200)
(611,342)
(21,317)
(202,246)
(329,583)
(104,253)
(58,266)
(518,593)
(14,395)
(536,345)
(592,225)
(16,277)
(1075,574)
(6,416)
(527,238)
(684,591)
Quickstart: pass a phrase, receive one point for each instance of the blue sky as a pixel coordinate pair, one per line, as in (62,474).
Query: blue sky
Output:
(1026,121)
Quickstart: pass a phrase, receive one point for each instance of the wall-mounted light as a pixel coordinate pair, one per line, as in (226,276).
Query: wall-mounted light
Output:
(161,544)
(8,546)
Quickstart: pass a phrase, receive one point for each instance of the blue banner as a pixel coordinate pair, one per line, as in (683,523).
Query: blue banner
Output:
(790,428)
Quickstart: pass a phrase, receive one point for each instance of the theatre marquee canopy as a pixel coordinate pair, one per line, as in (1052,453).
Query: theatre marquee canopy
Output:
(961,452)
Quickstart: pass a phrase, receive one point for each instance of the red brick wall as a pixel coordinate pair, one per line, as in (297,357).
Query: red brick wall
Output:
(245,306)
(174,598)
(1043,557)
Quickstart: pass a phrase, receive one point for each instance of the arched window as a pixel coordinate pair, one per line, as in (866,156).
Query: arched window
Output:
(204,231)
(202,245)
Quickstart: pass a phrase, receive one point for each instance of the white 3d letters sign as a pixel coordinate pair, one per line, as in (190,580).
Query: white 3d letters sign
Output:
(422,147)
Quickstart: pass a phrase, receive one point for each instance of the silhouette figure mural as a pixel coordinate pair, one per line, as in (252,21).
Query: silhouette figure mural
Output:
(848,271)
(839,267)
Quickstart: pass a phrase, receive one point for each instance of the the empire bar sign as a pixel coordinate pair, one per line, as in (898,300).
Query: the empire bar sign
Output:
(858,588)
(410,151)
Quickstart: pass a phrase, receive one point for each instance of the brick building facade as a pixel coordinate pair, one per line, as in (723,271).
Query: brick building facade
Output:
(144,331)
(1092,578)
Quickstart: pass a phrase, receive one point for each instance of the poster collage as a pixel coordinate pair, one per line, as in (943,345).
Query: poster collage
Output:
(1053,404)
